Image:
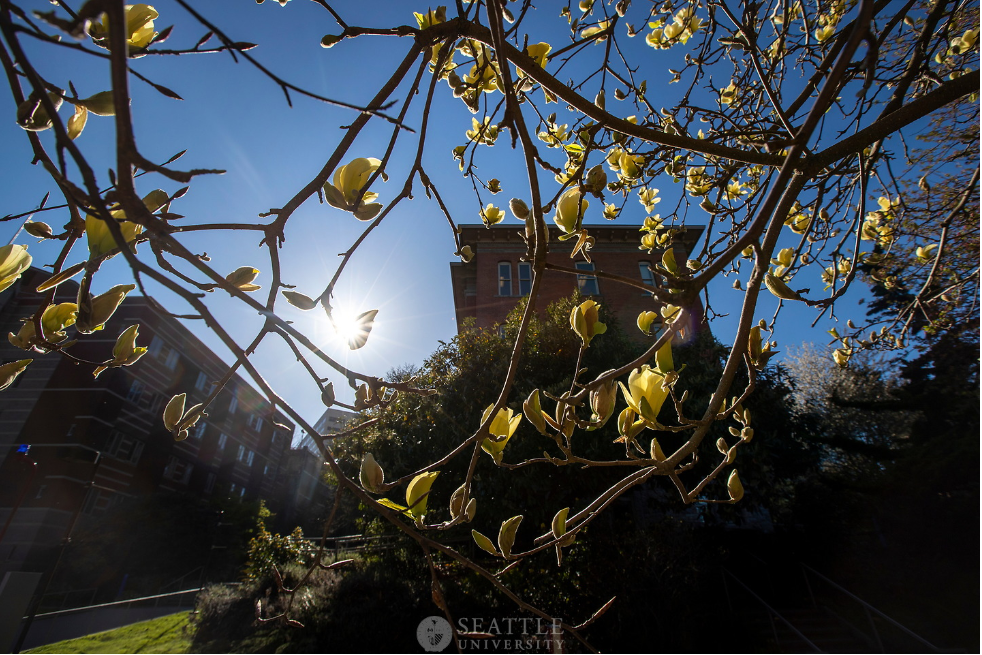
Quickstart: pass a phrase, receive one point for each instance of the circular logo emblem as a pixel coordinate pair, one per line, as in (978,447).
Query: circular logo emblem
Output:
(434,634)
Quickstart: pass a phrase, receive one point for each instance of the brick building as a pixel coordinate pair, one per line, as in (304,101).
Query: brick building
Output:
(487,287)
(98,441)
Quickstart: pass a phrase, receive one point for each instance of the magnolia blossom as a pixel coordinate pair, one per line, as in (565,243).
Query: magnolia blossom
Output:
(349,180)
(139,27)
(585,321)
(645,392)
(14,260)
(491,215)
(503,427)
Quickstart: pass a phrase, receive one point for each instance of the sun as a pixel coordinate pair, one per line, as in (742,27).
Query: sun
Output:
(353,329)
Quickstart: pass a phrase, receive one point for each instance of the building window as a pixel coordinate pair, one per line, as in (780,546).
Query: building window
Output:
(524,278)
(249,458)
(255,423)
(172,358)
(231,490)
(647,276)
(504,278)
(199,431)
(178,470)
(125,448)
(241,454)
(41,491)
(222,440)
(266,470)
(201,384)
(587,283)
(233,404)
(210,483)
(136,390)
(162,352)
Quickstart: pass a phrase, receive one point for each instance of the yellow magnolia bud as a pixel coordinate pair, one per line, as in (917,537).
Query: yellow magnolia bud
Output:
(10,371)
(657,453)
(38,229)
(242,277)
(519,208)
(372,476)
(533,411)
(596,180)
(174,411)
(585,321)
(778,287)
(457,501)
(100,104)
(570,207)
(466,253)
(94,312)
(14,260)
(471,510)
(507,533)
(734,486)
(58,278)
(602,401)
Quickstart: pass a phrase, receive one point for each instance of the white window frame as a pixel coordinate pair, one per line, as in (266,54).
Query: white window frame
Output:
(504,278)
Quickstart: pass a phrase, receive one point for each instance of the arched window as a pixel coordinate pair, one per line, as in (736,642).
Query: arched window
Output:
(504,278)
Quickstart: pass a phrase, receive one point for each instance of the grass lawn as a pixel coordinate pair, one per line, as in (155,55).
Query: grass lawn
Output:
(168,634)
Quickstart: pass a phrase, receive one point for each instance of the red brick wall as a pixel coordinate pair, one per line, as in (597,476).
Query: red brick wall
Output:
(616,252)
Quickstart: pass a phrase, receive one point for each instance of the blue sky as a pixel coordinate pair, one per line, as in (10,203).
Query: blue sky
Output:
(234,118)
